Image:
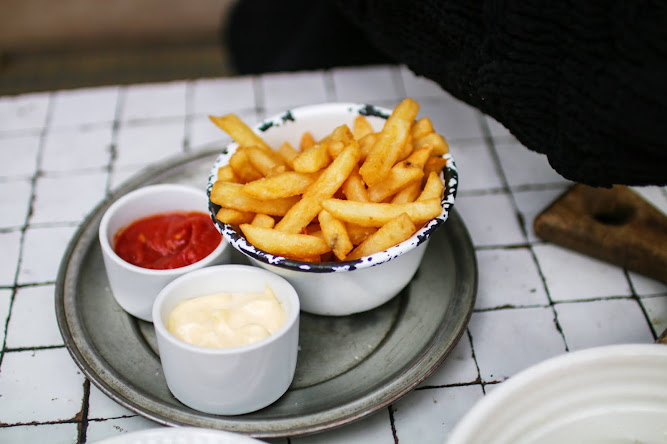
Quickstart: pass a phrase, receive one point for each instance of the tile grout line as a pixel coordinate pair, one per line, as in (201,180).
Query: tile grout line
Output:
(26,224)
(392,422)
(189,117)
(488,137)
(397,78)
(113,155)
(638,299)
(113,143)
(258,92)
(83,425)
(474,358)
(329,86)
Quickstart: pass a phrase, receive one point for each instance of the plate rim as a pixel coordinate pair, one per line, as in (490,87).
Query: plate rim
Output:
(567,367)
(311,423)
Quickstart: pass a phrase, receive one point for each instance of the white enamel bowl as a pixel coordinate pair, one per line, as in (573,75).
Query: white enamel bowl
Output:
(135,288)
(228,381)
(337,288)
(613,394)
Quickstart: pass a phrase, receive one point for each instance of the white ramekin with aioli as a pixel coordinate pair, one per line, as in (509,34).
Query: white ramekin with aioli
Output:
(222,361)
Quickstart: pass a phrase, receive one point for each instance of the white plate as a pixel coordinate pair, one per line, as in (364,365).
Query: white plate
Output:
(613,394)
(180,435)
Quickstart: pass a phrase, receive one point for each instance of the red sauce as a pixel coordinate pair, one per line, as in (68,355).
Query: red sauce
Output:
(167,240)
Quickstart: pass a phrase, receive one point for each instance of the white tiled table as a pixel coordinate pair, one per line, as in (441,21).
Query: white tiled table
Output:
(61,153)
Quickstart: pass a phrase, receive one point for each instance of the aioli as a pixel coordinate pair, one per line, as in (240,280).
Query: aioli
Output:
(226,320)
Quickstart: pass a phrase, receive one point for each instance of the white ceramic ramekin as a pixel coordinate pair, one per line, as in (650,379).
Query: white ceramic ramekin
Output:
(135,288)
(337,288)
(228,381)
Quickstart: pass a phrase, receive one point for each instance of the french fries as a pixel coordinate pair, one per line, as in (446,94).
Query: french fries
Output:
(335,234)
(263,220)
(232,195)
(352,193)
(239,131)
(393,232)
(312,159)
(284,244)
(286,184)
(378,214)
(390,142)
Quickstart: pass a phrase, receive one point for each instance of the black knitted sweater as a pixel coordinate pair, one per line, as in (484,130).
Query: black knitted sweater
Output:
(584,82)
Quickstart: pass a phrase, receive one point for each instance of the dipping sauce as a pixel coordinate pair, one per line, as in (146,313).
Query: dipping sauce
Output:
(167,240)
(226,319)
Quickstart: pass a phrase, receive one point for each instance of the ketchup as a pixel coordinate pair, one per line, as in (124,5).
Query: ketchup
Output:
(167,240)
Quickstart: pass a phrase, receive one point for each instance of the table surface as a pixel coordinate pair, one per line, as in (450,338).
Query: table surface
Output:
(62,152)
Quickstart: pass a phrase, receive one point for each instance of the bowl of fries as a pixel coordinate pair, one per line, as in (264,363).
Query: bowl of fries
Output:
(340,199)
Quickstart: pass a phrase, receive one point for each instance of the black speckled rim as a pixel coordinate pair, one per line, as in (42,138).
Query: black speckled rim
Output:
(449,175)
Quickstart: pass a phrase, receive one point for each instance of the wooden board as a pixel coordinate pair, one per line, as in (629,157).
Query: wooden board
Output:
(613,224)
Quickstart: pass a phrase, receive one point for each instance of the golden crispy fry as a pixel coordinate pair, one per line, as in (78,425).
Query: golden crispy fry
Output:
(433,187)
(408,193)
(230,195)
(438,143)
(366,144)
(335,147)
(244,170)
(361,127)
(284,244)
(307,140)
(239,131)
(288,153)
(226,173)
(357,233)
(316,233)
(393,232)
(407,149)
(285,184)
(300,215)
(335,174)
(342,133)
(339,138)
(278,169)
(399,176)
(354,187)
(234,217)
(390,142)
(312,159)
(378,214)
(434,163)
(263,162)
(421,127)
(263,220)
(335,234)
(420,156)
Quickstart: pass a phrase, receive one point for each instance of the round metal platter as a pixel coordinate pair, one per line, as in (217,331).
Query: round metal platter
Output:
(348,367)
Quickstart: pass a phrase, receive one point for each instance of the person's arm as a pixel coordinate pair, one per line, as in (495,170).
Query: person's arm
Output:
(583,82)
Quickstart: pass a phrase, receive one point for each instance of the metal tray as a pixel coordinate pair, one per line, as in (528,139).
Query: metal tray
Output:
(348,367)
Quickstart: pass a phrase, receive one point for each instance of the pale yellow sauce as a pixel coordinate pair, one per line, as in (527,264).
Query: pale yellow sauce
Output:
(226,320)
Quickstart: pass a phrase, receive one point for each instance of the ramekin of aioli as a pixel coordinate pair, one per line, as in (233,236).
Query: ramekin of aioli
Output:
(228,338)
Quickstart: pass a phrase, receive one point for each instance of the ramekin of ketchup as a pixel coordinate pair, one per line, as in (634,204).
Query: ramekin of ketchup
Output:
(167,240)
(151,236)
